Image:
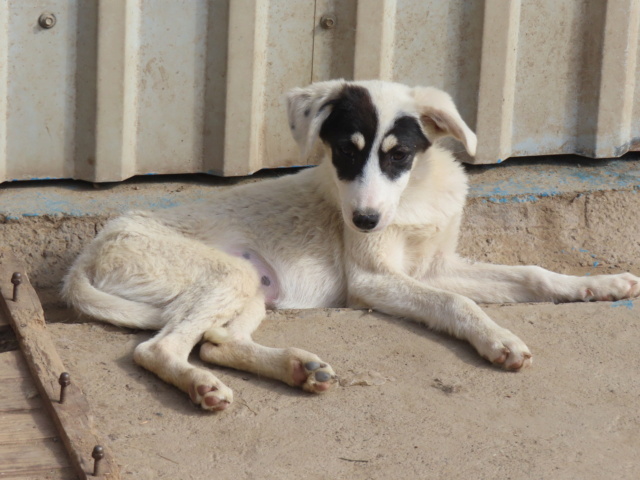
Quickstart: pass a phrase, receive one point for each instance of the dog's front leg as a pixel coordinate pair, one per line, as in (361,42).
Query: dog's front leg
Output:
(397,294)
(488,283)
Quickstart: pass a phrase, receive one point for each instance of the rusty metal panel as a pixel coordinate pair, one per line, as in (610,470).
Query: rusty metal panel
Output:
(131,87)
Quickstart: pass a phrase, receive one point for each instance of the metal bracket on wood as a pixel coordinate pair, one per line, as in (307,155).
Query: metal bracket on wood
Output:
(64,400)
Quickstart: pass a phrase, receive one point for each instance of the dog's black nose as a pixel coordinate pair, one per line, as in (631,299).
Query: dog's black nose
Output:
(365,221)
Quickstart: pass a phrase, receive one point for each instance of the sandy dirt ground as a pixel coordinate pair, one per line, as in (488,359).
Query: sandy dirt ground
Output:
(412,403)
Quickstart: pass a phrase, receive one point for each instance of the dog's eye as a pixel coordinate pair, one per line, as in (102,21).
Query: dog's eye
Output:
(399,155)
(347,149)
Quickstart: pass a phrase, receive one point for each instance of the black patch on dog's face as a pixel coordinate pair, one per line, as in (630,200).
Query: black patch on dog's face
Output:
(352,112)
(410,140)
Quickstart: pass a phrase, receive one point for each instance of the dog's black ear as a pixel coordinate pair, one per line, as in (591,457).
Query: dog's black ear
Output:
(440,118)
(308,108)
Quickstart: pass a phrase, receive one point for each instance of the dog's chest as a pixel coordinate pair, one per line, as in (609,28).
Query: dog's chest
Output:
(418,245)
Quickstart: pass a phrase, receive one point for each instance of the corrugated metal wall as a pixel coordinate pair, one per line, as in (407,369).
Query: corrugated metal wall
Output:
(118,88)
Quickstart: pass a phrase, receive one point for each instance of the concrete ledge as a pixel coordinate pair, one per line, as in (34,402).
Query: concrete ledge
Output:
(530,180)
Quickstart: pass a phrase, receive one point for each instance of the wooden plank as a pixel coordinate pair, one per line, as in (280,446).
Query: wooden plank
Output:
(58,474)
(29,458)
(19,394)
(73,419)
(4,323)
(13,365)
(20,427)
(26,431)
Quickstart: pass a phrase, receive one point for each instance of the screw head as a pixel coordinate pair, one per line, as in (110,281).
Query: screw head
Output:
(47,20)
(98,452)
(328,22)
(16,278)
(65,379)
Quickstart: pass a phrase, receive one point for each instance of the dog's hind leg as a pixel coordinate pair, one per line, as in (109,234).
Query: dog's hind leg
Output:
(167,354)
(233,347)
(293,366)
(196,310)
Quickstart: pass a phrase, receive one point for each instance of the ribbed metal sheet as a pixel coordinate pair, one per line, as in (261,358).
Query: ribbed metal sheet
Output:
(127,87)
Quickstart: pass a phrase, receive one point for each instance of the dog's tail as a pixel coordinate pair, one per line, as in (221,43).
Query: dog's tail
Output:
(79,292)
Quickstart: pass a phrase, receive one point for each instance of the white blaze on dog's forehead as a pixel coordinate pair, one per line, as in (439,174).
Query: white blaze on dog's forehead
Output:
(390,99)
(389,142)
(358,140)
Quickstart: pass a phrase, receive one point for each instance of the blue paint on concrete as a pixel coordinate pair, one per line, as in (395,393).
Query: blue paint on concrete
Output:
(509,199)
(548,178)
(623,303)
(21,180)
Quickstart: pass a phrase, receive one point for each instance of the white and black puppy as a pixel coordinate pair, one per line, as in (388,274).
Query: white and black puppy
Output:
(374,225)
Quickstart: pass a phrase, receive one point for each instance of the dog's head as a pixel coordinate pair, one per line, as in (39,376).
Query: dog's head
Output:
(373,131)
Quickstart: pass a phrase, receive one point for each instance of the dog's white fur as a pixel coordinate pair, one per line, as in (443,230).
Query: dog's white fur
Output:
(182,270)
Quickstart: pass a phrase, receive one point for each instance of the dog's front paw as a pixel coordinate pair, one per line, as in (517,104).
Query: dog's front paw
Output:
(507,351)
(312,374)
(611,287)
(210,393)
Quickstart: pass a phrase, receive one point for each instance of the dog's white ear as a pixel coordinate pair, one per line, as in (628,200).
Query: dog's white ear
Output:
(440,117)
(308,108)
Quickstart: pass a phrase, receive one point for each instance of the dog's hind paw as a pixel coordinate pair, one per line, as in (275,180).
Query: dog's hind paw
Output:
(507,351)
(210,395)
(313,375)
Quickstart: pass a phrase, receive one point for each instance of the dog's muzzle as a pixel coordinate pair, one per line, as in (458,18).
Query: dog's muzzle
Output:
(365,220)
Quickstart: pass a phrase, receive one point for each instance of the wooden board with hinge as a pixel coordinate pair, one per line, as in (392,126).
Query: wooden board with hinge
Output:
(72,420)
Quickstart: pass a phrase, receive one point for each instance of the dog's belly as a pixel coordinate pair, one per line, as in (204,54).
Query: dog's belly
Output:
(268,278)
(301,284)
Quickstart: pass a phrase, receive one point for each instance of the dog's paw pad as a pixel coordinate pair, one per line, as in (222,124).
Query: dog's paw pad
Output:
(312,366)
(210,397)
(313,376)
(322,376)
